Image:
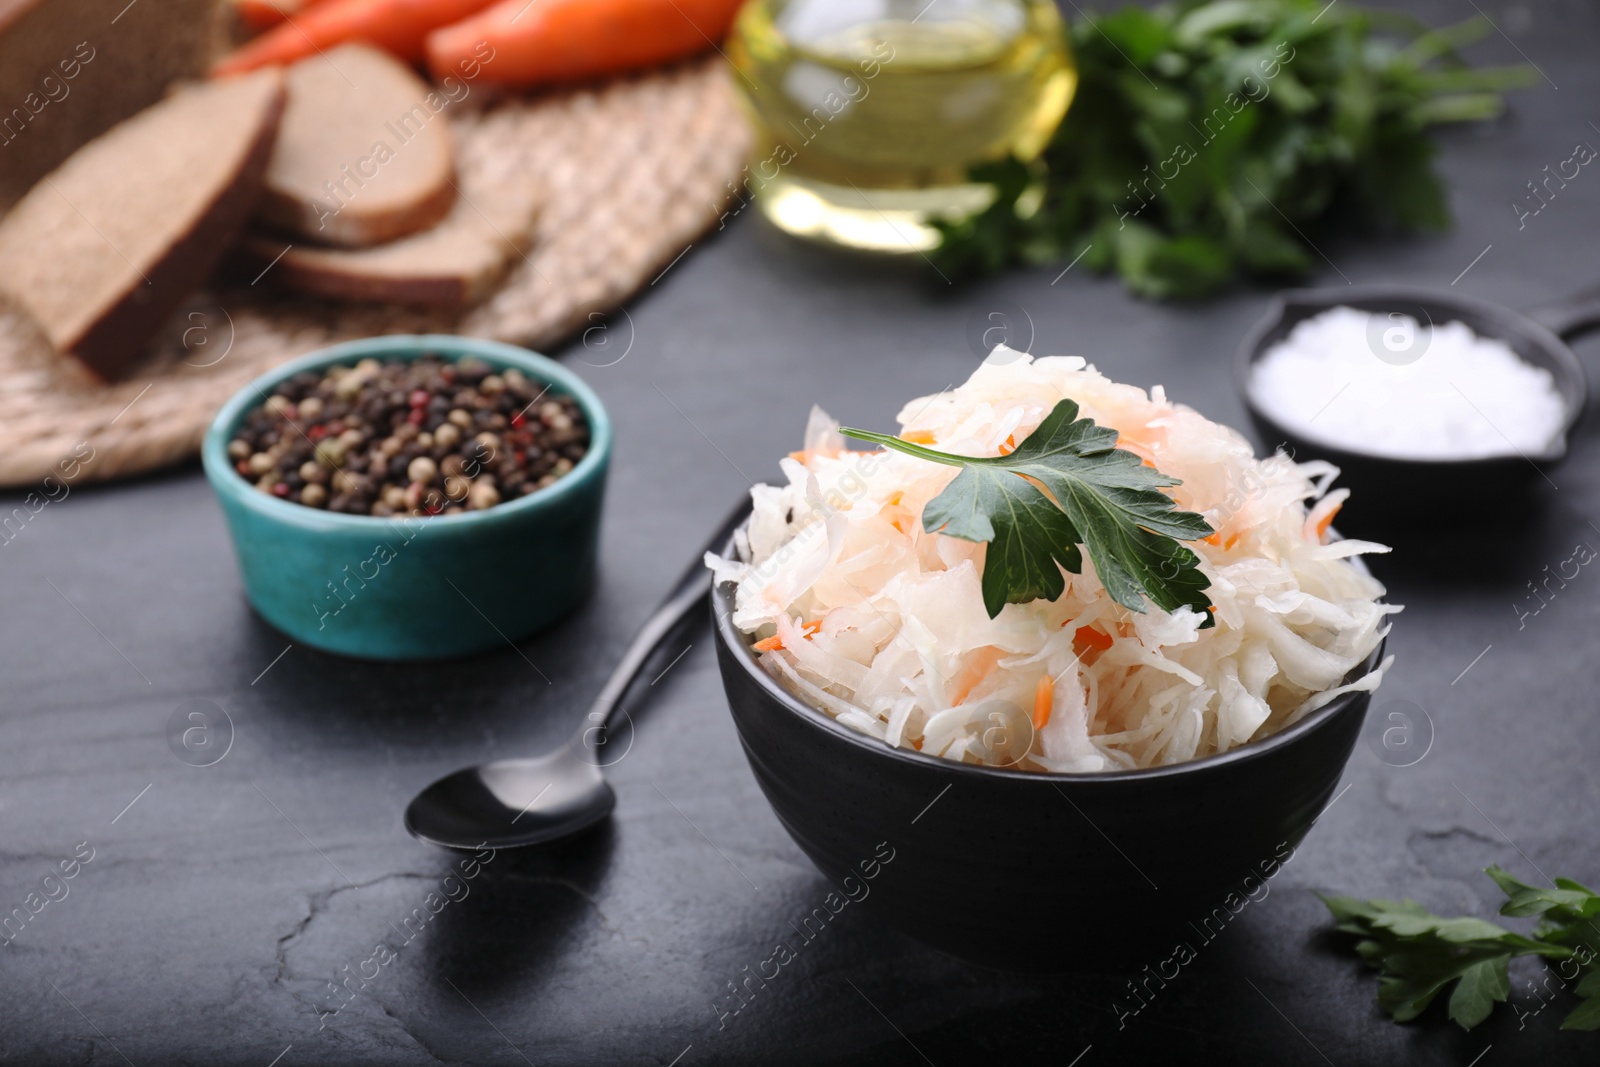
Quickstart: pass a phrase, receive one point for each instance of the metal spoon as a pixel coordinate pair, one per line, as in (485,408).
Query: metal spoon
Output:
(512,802)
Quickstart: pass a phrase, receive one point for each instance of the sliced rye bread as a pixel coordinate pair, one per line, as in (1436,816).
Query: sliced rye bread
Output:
(364,155)
(455,263)
(104,248)
(72,69)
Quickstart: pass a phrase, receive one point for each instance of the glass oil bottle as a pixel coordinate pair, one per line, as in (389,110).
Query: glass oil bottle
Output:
(869,113)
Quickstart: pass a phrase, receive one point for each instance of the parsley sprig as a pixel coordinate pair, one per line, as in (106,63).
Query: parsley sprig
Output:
(1214,139)
(1417,954)
(1100,497)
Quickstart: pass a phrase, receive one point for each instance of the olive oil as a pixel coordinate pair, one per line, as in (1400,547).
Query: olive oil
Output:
(870,112)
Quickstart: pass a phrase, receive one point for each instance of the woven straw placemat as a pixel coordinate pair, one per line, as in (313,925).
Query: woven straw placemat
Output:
(630,173)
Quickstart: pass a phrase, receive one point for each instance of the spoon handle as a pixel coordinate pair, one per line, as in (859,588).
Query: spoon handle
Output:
(690,591)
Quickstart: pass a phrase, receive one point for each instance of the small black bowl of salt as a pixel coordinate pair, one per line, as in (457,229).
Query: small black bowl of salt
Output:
(1422,399)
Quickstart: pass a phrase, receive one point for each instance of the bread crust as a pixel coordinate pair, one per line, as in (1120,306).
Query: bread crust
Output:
(319,277)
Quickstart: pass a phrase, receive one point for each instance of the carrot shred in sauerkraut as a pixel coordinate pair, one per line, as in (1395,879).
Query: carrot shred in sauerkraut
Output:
(1043,698)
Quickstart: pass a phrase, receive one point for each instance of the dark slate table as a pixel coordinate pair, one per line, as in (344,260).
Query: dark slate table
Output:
(223,902)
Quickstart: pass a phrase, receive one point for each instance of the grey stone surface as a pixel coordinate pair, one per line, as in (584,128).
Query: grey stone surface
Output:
(220,905)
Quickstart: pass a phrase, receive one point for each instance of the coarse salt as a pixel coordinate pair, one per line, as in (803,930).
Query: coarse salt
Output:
(1385,384)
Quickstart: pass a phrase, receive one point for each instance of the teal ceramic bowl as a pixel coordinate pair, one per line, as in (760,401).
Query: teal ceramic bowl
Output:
(407,588)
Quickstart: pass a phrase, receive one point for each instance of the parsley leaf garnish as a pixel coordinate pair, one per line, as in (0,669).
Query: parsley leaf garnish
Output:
(1417,954)
(1099,496)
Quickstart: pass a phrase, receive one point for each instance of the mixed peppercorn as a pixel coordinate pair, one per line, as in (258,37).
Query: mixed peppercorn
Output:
(418,437)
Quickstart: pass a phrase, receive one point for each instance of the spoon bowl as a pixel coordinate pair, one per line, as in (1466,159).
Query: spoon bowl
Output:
(512,802)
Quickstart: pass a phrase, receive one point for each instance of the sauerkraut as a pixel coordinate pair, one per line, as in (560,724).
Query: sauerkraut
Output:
(866,616)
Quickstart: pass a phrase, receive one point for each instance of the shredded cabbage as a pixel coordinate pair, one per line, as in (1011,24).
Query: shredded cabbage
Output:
(882,625)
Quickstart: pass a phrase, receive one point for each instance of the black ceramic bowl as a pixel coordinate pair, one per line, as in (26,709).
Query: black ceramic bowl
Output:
(1390,494)
(1033,872)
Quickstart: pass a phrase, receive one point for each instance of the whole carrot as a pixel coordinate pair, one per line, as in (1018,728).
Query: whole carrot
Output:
(546,41)
(396,26)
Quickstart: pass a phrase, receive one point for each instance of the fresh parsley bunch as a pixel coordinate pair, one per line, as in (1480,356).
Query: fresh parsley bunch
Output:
(1418,954)
(1208,137)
